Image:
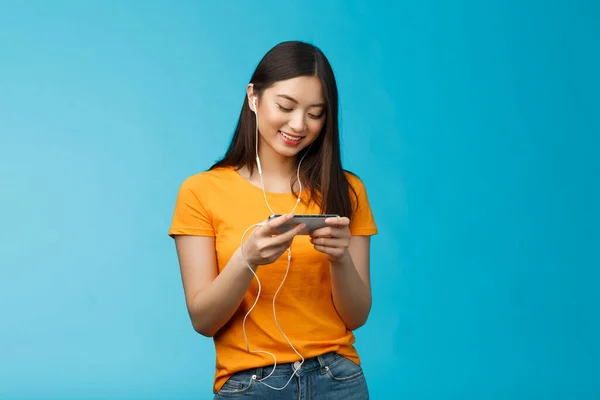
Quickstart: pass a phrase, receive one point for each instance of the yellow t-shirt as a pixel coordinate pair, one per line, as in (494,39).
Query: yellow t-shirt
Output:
(222,204)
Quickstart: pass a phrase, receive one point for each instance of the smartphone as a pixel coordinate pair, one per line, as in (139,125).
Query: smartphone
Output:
(312,221)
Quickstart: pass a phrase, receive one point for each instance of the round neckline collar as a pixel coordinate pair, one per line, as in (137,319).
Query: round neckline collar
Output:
(248,183)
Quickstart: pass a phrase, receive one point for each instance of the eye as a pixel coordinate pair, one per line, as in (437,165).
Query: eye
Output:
(284,109)
(316,116)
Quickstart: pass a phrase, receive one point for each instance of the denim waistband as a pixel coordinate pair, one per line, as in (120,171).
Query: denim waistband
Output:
(310,364)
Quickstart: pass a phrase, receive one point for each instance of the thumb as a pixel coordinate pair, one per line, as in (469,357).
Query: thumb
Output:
(272,225)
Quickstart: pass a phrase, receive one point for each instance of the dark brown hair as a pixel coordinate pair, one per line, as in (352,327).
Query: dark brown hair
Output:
(321,171)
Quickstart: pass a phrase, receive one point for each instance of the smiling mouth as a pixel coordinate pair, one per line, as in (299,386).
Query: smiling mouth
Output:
(291,137)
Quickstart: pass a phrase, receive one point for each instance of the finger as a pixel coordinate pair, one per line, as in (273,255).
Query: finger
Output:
(321,232)
(330,251)
(329,231)
(289,235)
(272,225)
(329,242)
(338,221)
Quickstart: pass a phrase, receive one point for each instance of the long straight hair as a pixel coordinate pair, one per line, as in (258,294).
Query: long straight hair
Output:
(321,170)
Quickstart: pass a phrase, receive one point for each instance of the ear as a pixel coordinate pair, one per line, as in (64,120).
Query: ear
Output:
(250,95)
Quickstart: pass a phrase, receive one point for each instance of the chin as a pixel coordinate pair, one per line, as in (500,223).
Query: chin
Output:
(288,152)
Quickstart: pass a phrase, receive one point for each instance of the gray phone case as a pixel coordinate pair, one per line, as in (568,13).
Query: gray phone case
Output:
(312,221)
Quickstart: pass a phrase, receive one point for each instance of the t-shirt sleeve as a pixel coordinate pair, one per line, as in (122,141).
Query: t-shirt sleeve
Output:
(191,216)
(362,222)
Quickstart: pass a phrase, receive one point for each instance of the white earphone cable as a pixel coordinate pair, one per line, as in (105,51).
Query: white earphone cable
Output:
(289,259)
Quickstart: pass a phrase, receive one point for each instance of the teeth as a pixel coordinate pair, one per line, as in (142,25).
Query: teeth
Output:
(289,137)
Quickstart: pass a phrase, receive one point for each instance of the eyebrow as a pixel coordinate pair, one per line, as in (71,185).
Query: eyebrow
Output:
(285,96)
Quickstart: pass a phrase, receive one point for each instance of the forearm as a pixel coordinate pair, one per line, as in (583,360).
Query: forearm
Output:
(212,307)
(351,295)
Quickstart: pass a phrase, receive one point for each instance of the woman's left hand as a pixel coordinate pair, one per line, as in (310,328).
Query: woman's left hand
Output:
(334,239)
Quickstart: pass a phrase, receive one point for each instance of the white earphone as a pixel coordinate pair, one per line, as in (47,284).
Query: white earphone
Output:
(289,259)
(257,158)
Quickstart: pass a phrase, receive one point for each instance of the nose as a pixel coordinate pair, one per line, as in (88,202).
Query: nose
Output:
(297,122)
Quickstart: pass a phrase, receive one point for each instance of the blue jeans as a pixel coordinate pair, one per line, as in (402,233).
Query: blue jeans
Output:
(327,377)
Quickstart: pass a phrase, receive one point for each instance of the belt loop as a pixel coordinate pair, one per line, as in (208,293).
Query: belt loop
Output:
(259,372)
(322,362)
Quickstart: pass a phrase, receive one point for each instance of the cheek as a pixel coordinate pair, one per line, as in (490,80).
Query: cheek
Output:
(314,127)
(271,121)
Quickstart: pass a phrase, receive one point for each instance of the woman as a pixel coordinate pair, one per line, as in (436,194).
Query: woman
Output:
(281,307)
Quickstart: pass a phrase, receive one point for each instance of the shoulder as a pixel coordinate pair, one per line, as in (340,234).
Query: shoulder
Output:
(362,222)
(218,177)
(356,184)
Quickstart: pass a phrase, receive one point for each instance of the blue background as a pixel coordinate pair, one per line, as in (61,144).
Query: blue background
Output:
(474,126)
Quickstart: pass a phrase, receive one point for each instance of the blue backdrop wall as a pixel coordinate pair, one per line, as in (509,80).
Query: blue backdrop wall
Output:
(474,126)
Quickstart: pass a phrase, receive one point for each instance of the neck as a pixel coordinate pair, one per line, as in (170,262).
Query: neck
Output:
(276,165)
(276,172)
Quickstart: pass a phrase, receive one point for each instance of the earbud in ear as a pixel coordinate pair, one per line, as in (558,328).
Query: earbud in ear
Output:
(254,103)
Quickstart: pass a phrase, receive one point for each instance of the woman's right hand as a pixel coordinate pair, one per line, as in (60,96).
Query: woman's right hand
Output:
(265,244)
